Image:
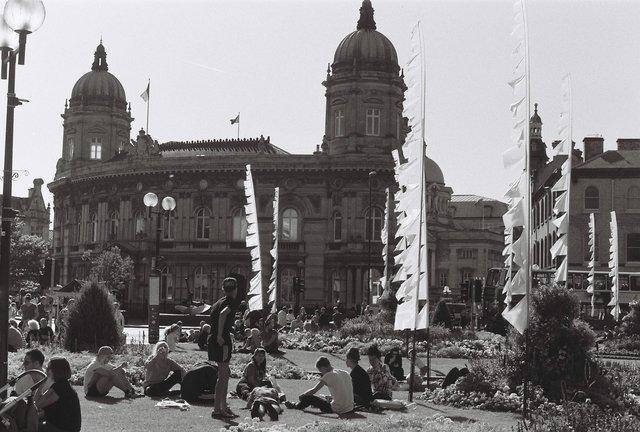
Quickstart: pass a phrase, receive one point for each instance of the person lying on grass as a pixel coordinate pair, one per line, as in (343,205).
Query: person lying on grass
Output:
(101,376)
(160,372)
(339,384)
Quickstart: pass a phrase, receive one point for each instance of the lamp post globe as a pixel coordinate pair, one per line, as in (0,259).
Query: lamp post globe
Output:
(150,200)
(168,203)
(24,17)
(8,37)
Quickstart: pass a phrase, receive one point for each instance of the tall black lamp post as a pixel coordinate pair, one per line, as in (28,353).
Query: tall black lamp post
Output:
(168,205)
(20,17)
(371,233)
(299,285)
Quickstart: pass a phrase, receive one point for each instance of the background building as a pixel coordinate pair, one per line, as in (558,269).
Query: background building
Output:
(327,222)
(32,211)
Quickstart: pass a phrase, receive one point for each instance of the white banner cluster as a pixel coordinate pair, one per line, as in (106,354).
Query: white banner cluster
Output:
(273,283)
(411,234)
(384,238)
(254,296)
(562,188)
(613,267)
(592,262)
(518,196)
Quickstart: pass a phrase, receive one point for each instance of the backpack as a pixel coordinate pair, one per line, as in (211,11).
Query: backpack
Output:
(198,381)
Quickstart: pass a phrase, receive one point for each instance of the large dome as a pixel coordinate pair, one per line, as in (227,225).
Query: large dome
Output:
(98,86)
(366,48)
(433,171)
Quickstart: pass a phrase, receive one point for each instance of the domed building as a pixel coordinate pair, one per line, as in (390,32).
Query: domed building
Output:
(328,224)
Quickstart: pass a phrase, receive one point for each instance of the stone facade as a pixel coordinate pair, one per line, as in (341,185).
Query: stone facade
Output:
(328,224)
(32,211)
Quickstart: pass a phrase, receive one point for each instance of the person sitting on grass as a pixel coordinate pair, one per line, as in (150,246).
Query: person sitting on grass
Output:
(380,375)
(270,340)
(339,384)
(60,401)
(33,336)
(33,360)
(252,341)
(14,341)
(160,372)
(362,394)
(254,375)
(297,324)
(172,336)
(45,333)
(205,331)
(101,376)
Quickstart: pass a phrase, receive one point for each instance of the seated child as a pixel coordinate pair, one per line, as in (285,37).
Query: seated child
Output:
(254,375)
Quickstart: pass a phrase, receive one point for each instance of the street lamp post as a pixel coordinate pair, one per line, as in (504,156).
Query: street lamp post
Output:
(299,285)
(168,205)
(20,18)
(371,233)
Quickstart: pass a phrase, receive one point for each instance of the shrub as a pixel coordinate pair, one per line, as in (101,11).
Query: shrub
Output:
(582,418)
(442,316)
(559,344)
(91,323)
(631,321)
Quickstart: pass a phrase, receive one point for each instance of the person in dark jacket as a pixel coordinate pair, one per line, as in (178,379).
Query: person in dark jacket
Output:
(362,394)
(60,402)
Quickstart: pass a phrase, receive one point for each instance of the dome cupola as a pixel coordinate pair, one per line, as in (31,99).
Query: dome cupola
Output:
(98,87)
(366,48)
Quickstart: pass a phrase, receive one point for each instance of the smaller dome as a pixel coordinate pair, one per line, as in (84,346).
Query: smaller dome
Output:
(98,87)
(535,118)
(366,48)
(433,171)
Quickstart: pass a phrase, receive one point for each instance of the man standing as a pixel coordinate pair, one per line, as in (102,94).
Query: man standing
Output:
(220,344)
(340,387)
(28,311)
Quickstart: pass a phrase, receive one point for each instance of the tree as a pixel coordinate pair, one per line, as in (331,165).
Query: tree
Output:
(28,253)
(113,269)
(91,322)
(442,315)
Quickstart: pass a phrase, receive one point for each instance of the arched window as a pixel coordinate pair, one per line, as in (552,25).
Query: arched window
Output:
(290,225)
(201,285)
(633,198)
(287,294)
(166,284)
(591,198)
(169,226)
(139,226)
(239,222)
(373,224)
(337,226)
(92,228)
(202,223)
(114,222)
(337,288)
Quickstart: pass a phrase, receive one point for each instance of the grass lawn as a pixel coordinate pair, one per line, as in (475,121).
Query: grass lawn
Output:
(117,414)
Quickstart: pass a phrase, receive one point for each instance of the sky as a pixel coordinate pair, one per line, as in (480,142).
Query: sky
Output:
(209,60)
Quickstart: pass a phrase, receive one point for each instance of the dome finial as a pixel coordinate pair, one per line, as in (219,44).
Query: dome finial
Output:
(535,108)
(100,58)
(366,21)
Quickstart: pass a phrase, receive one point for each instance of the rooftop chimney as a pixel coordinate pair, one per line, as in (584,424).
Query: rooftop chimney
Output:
(628,143)
(593,146)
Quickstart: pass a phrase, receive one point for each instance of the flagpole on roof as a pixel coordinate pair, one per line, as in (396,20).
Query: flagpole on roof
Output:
(238,122)
(148,102)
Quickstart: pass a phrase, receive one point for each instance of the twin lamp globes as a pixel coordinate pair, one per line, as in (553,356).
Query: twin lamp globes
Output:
(151,200)
(19,18)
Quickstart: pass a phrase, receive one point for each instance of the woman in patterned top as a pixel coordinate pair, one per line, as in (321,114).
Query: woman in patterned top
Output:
(380,375)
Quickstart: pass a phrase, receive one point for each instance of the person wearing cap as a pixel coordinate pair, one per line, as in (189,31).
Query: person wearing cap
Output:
(254,374)
(101,376)
(362,394)
(380,375)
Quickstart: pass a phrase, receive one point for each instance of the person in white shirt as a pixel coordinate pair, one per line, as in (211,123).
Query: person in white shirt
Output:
(282,317)
(290,317)
(339,384)
(100,376)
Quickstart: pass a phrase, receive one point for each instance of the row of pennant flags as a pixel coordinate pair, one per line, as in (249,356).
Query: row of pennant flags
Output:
(408,204)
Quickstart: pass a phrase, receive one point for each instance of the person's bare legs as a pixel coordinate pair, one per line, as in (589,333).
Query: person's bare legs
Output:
(222,388)
(115,378)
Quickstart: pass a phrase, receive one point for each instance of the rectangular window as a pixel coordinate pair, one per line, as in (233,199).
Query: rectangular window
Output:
(96,149)
(70,145)
(338,123)
(337,227)
(444,278)
(633,247)
(466,275)
(465,253)
(373,122)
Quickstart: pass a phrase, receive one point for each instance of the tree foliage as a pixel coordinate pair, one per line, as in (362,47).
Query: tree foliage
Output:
(631,321)
(28,253)
(442,315)
(91,322)
(115,270)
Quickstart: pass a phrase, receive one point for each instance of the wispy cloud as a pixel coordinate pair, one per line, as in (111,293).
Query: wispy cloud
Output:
(211,68)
